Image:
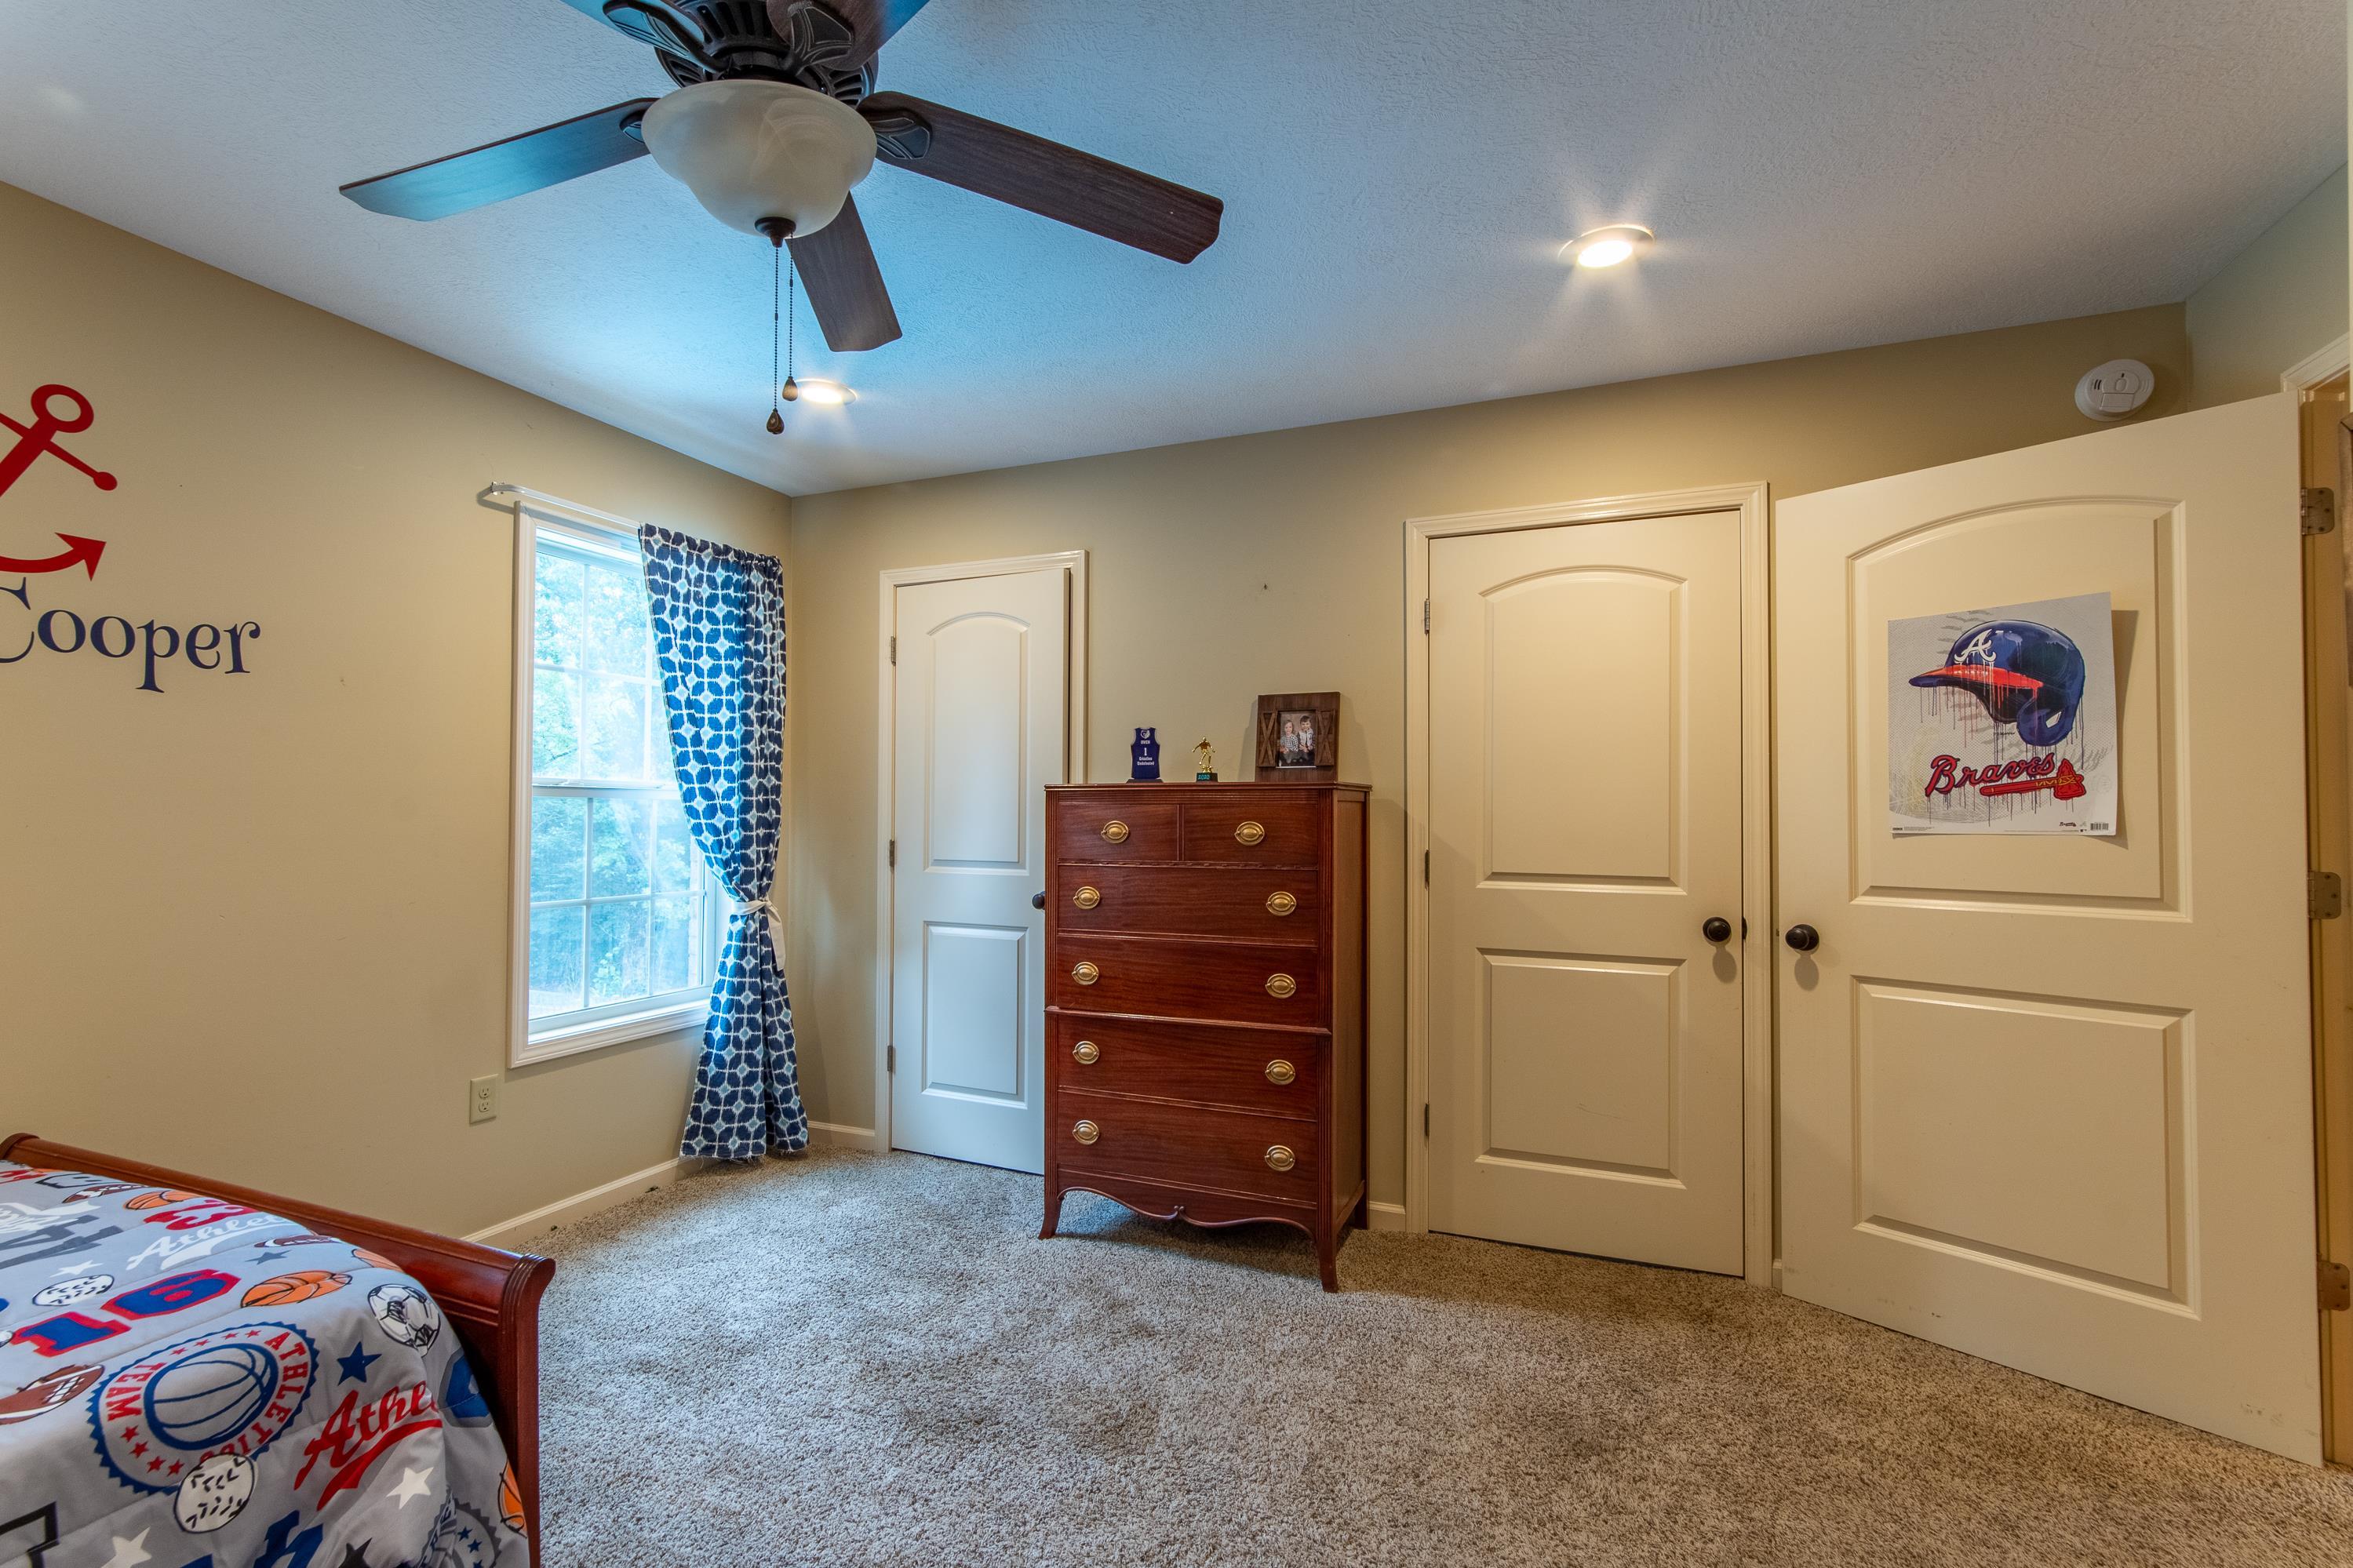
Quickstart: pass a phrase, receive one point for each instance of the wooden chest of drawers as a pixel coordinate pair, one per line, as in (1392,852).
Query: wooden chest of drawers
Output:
(1205,991)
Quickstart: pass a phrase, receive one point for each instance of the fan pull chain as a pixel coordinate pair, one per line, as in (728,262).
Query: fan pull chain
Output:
(792,321)
(776,417)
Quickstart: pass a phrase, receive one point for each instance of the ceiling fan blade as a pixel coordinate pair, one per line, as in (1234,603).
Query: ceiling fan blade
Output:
(845,286)
(871,23)
(1044,177)
(533,160)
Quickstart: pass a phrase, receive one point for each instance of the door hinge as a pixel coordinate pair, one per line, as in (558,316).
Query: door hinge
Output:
(1425,617)
(2319,510)
(894,854)
(890,1058)
(1425,868)
(2336,1286)
(2324,895)
(894,650)
(1425,1119)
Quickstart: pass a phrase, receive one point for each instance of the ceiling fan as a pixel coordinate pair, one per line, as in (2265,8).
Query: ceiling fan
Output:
(775,118)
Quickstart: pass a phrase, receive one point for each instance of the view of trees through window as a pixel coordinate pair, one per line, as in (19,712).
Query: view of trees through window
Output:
(618,895)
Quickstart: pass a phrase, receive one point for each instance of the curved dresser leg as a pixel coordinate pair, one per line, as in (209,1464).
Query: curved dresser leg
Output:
(1054,1214)
(1327,1260)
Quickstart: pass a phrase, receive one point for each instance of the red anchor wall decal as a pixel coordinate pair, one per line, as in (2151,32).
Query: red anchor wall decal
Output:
(39,438)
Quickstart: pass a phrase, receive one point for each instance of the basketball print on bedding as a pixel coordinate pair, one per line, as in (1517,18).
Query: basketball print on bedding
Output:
(164,1415)
(281,1290)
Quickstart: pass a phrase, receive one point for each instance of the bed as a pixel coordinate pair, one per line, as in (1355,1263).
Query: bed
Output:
(194,1374)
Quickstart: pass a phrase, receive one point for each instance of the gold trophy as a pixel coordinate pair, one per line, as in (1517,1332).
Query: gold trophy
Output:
(1205,759)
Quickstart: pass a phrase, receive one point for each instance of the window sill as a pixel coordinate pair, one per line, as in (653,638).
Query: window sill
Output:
(562,1042)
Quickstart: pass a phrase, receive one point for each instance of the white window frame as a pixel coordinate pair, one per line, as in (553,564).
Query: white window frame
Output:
(595,1028)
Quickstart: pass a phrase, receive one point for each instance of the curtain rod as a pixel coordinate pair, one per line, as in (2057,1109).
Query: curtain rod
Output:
(521,493)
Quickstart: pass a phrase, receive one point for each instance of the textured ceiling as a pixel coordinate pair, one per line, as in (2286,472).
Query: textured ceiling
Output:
(1397,173)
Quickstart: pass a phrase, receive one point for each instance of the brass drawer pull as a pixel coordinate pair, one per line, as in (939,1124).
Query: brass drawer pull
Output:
(1087,1053)
(1087,1133)
(1115,831)
(1279,1156)
(1281,904)
(1086,973)
(1280,985)
(1086,897)
(1280,1071)
(1250,833)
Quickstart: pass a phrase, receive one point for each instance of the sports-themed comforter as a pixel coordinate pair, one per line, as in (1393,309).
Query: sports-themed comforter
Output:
(188,1382)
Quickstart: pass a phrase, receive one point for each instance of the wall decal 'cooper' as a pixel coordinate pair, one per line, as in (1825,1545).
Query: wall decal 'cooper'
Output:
(59,630)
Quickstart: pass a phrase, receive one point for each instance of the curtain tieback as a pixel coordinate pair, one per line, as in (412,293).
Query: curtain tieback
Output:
(756,906)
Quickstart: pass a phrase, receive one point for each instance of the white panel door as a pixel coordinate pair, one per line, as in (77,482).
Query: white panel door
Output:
(979,694)
(2048,1099)
(1584,824)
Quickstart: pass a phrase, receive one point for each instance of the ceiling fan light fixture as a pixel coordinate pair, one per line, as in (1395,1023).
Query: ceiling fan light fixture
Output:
(752,150)
(1608,247)
(830,394)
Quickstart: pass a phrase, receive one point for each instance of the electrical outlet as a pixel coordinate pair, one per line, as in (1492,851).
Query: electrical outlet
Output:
(482,1098)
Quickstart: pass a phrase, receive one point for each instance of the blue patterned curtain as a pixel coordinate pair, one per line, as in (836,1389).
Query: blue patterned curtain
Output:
(719,627)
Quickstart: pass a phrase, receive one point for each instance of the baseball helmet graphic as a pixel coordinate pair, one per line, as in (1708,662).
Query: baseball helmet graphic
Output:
(2025,673)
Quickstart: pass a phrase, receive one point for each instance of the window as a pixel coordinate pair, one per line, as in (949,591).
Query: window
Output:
(616,930)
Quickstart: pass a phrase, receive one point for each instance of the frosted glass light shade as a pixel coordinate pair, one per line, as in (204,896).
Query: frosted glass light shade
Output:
(750,150)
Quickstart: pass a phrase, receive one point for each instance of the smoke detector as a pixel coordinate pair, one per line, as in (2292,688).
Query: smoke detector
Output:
(2115,390)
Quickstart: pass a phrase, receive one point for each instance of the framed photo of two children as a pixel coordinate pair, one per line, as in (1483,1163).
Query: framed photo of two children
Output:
(1299,737)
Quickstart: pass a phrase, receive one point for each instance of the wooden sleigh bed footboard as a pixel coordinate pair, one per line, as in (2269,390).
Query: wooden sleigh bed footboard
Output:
(490,1296)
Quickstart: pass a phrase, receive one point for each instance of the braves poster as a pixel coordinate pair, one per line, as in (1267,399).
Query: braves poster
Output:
(2003,719)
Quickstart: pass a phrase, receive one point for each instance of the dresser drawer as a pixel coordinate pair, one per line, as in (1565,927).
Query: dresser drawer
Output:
(1230,1148)
(1112,827)
(1266,903)
(1172,977)
(1273,1074)
(1229,828)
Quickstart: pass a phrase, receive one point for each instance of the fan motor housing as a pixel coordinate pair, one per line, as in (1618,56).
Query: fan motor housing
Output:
(742,43)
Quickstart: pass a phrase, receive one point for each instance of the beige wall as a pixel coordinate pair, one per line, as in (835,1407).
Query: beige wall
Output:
(2278,301)
(1275,563)
(255,925)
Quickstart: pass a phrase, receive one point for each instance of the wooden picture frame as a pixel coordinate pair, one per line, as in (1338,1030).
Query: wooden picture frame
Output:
(1277,753)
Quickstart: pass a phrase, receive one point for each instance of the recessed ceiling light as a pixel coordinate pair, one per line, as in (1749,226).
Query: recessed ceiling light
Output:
(1607,247)
(831,393)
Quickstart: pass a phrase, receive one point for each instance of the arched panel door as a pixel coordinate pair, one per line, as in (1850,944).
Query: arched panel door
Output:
(2046,1097)
(1585,735)
(979,732)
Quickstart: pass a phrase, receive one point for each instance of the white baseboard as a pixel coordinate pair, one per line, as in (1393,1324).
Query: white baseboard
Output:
(841,1137)
(1384,1216)
(529,1226)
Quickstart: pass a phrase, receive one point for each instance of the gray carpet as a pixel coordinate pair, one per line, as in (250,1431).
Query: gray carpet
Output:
(859,1359)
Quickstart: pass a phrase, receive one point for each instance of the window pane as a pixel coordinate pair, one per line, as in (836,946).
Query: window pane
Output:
(556,960)
(620,633)
(675,947)
(557,605)
(674,851)
(616,952)
(554,737)
(617,729)
(620,847)
(559,828)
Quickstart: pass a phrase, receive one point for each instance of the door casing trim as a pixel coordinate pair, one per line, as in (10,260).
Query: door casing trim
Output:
(1758,1192)
(1073,565)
